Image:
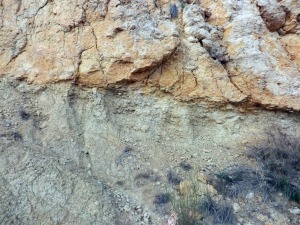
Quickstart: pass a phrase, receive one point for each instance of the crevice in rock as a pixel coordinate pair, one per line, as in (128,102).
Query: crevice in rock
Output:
(17,50)
(195,78)
(160,65)
(39,9)
(234,84)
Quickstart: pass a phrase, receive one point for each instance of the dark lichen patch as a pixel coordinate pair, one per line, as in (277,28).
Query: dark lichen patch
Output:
(17,136)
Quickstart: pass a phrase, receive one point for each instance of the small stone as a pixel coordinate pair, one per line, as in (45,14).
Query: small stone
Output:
(207,43)
(235,155)
(126,208)
(194,155)
(250,195)
(211,190)
(244,141)
(146,217)
(202,178)
(192,39)
(236,207)
(295,211)
(43,125)
(262,218)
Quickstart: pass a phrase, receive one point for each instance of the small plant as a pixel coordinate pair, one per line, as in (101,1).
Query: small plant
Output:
(186,207)
(200,209)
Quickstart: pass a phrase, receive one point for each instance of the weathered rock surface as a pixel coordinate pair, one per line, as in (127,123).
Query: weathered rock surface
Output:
(101,99)
(72,155)
(218,52)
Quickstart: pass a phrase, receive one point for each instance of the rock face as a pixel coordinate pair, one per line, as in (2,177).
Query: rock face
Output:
(218,52)
(101,100)
(83,156)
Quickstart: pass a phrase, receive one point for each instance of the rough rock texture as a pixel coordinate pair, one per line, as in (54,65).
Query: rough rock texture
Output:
(83,156)
(218,52)
(101,100)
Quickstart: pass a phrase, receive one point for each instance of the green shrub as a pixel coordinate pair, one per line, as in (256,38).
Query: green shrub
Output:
(193,209)
(186,207)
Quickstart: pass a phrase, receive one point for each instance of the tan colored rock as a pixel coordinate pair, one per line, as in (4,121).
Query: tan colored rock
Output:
(216,52)
(291,43)
(202,178)
(273,15)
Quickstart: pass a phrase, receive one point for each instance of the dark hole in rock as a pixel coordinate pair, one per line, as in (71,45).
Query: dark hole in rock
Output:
(24,115)
(127,149)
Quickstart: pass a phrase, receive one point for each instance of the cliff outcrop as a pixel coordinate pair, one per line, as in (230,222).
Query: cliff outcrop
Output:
(107,106)
(212,51)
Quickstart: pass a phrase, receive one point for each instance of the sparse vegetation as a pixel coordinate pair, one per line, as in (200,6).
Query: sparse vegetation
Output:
(239,180)
(275,169)
(187,207)
(195,209)
(278,169)
(216,212)
(279,160)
